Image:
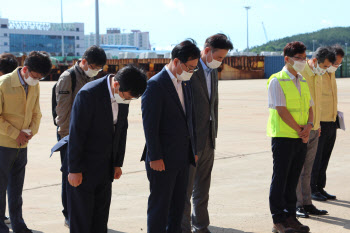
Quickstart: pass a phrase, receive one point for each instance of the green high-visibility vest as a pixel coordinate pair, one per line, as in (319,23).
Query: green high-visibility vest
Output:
(298,105)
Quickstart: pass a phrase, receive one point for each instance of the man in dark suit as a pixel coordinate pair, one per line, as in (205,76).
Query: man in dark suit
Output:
(168,121)
(96,146)
(204,85)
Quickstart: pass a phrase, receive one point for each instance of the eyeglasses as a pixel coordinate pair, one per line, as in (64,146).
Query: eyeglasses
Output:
(133,98)
(95,69)
(300,58)
(191,70)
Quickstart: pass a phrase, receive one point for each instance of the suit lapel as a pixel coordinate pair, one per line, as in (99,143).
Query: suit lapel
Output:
(213,77)
(171,88)
(202,80)
(107,102)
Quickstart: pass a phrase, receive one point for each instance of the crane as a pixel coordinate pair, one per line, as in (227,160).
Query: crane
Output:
(265,32)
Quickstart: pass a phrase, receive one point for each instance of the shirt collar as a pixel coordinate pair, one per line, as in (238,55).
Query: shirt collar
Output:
(109,86)
(173,78)
(308,70)
(290,74)
(20,77)
(205,67)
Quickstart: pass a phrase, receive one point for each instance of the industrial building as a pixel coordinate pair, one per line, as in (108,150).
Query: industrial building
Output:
(20,37)
(114,36)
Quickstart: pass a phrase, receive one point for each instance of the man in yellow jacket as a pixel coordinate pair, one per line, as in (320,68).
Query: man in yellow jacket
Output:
(323,58)
(329,102)
(290,107)
(19,120)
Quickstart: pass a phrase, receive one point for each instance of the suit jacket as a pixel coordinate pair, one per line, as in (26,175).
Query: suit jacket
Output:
(169,131)
(205,106)
(95,144)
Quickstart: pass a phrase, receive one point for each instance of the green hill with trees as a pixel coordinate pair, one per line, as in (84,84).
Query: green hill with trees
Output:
(328,36)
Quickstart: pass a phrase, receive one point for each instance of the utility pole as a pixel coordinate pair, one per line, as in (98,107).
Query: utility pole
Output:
(247,8)
(313,45)
(62,30)
(97,25)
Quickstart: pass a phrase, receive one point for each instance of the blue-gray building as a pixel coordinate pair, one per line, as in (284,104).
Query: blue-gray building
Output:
(23,37)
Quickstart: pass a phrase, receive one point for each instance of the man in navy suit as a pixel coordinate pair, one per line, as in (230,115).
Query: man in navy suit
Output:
(168,121)
(96,146)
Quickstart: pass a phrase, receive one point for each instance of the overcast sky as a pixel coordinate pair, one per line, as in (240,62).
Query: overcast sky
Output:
(171,21)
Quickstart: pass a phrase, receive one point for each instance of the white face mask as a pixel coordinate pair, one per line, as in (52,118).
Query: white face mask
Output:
(91,73)
(299,65)
(332,69)
(184,76)
(120,100)
(214,64)
(31,81)
(318,70)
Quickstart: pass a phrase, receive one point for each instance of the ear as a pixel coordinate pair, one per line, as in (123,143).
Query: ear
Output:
(314,60)
(115,84)
(84,61)
(25,69)
(176,61)
(286,59)
(206,50)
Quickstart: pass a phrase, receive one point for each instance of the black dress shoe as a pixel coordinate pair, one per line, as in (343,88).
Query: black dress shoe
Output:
(318,197)
(311,209)
(26,230)
(301,213)
(327,195)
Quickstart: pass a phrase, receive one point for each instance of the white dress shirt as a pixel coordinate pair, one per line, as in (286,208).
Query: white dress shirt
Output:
(178,87)
(113,102)
(276,94)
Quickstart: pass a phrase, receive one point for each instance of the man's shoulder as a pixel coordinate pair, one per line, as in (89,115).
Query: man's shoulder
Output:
(5,79)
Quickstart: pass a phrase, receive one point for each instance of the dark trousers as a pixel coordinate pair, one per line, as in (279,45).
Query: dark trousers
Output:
(288,160)
(324,151)
(166,201)
(12,172)
(88,205)
(198,189)
(64,180)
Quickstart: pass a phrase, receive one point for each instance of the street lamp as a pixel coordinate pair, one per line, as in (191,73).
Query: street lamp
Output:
(62,36)
(247,8)
(97,25)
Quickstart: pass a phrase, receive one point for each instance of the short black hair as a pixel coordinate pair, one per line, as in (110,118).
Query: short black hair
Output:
(95,55)
(338,50)
(218,41)
(38,62)
(323,53)
(187,50)
(132,79)
(8,63)
(293,48)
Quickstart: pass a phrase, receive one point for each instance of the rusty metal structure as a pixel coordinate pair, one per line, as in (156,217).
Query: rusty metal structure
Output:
(239,67)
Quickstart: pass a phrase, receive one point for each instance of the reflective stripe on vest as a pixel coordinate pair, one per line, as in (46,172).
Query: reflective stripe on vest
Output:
(298,105)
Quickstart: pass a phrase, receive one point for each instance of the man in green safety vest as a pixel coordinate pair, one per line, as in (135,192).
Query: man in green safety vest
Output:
(289,126)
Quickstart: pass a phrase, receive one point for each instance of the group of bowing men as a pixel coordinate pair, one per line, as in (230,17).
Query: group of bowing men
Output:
(180,120)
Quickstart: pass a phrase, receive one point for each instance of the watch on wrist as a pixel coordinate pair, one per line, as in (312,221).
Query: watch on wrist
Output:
(310,123)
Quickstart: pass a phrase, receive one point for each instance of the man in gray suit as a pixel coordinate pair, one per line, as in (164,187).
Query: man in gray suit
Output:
(205,97)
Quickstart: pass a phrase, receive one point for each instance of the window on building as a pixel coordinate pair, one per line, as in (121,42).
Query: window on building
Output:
(5,43)
(78,46)
(78,54)
(77,38)
(5,34)
(77,29)
(3,25)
